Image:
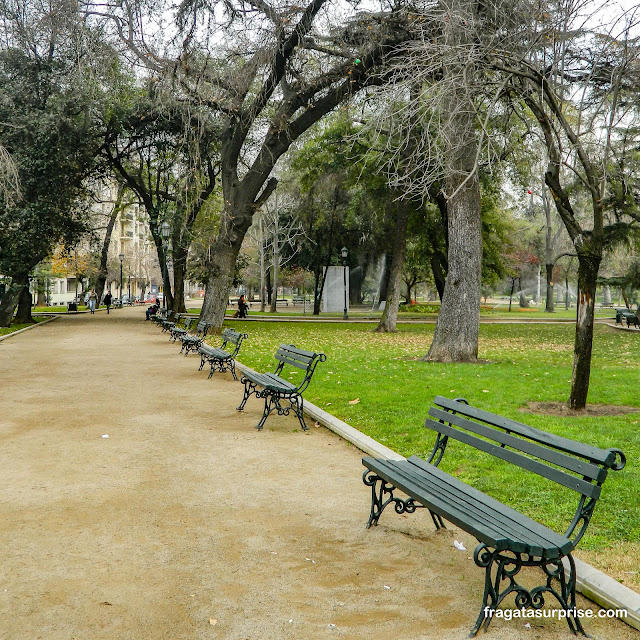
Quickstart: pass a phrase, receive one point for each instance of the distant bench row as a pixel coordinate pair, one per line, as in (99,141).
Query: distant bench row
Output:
(273,387)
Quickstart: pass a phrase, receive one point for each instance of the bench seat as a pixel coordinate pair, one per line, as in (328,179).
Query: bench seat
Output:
(272,382)
(490,521)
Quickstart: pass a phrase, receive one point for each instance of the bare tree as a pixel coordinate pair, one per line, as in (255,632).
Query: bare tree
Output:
(276,69)
(575,88)
(456,98)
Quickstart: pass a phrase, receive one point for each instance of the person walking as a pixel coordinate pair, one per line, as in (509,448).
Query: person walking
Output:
(92,300)
(107,300)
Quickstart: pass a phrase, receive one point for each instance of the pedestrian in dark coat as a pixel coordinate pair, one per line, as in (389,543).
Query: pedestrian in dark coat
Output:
(107,300)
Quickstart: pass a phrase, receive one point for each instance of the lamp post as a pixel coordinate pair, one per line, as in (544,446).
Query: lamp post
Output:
(345,253)
(165,230)
(121,256)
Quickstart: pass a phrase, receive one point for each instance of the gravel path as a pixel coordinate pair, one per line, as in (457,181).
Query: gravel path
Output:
(186,523)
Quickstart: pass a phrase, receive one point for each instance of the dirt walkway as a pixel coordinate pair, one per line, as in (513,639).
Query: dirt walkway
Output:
(185,523)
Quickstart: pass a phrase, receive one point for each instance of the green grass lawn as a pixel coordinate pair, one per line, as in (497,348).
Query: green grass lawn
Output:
(406,313)
(62,309)
(16,327)
(523,363)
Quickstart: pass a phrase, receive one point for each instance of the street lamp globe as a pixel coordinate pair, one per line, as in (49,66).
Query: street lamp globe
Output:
(165,230)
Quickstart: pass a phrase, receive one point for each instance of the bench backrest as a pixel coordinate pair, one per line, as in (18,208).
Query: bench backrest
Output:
(202,328)
(289,354)
(574,465)
(235,338)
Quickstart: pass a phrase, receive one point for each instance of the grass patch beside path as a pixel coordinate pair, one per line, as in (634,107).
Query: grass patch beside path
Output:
(525,363)
(16,327)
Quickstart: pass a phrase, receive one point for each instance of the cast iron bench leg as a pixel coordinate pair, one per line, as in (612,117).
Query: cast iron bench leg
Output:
(249,388)
(504,566)
(298,409)
(269,404)
(382,495)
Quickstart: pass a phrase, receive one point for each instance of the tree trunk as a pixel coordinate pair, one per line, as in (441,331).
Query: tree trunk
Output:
(623,293)
(587,275)
(438,275)
(23,314)
(384,280)
(262,269)
(523,301)
(456,334)
(269,286)
(549,308)
(220,282)
(179,268)
(390,314)
(316,289)
(513,286)
(276,260)
(104,251)
(224,252)
(9,301)
(41,292)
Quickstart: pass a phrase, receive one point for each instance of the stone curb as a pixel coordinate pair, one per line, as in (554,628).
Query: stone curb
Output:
(33,326)
(591,582)
(621,327)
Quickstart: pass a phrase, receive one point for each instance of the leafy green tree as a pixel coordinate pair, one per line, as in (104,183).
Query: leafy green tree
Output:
(166,152)
(47,127)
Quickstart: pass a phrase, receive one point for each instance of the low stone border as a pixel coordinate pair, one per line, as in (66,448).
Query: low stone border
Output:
(622,327)
(591,582)
(37,324)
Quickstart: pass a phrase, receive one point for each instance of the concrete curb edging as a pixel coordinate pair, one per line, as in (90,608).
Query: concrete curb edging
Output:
(33,326)
(591,582)
(607,592)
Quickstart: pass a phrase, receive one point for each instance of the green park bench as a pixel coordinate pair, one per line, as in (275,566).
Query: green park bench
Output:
(191,341)
(169,320)
(187,321)
(628,316)
(274,388)
(223,357)
(508,540)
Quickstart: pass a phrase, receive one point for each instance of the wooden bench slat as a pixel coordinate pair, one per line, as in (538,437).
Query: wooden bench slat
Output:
(294,363)
(289,348)
(541,469)
(594,454)
(550,455)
